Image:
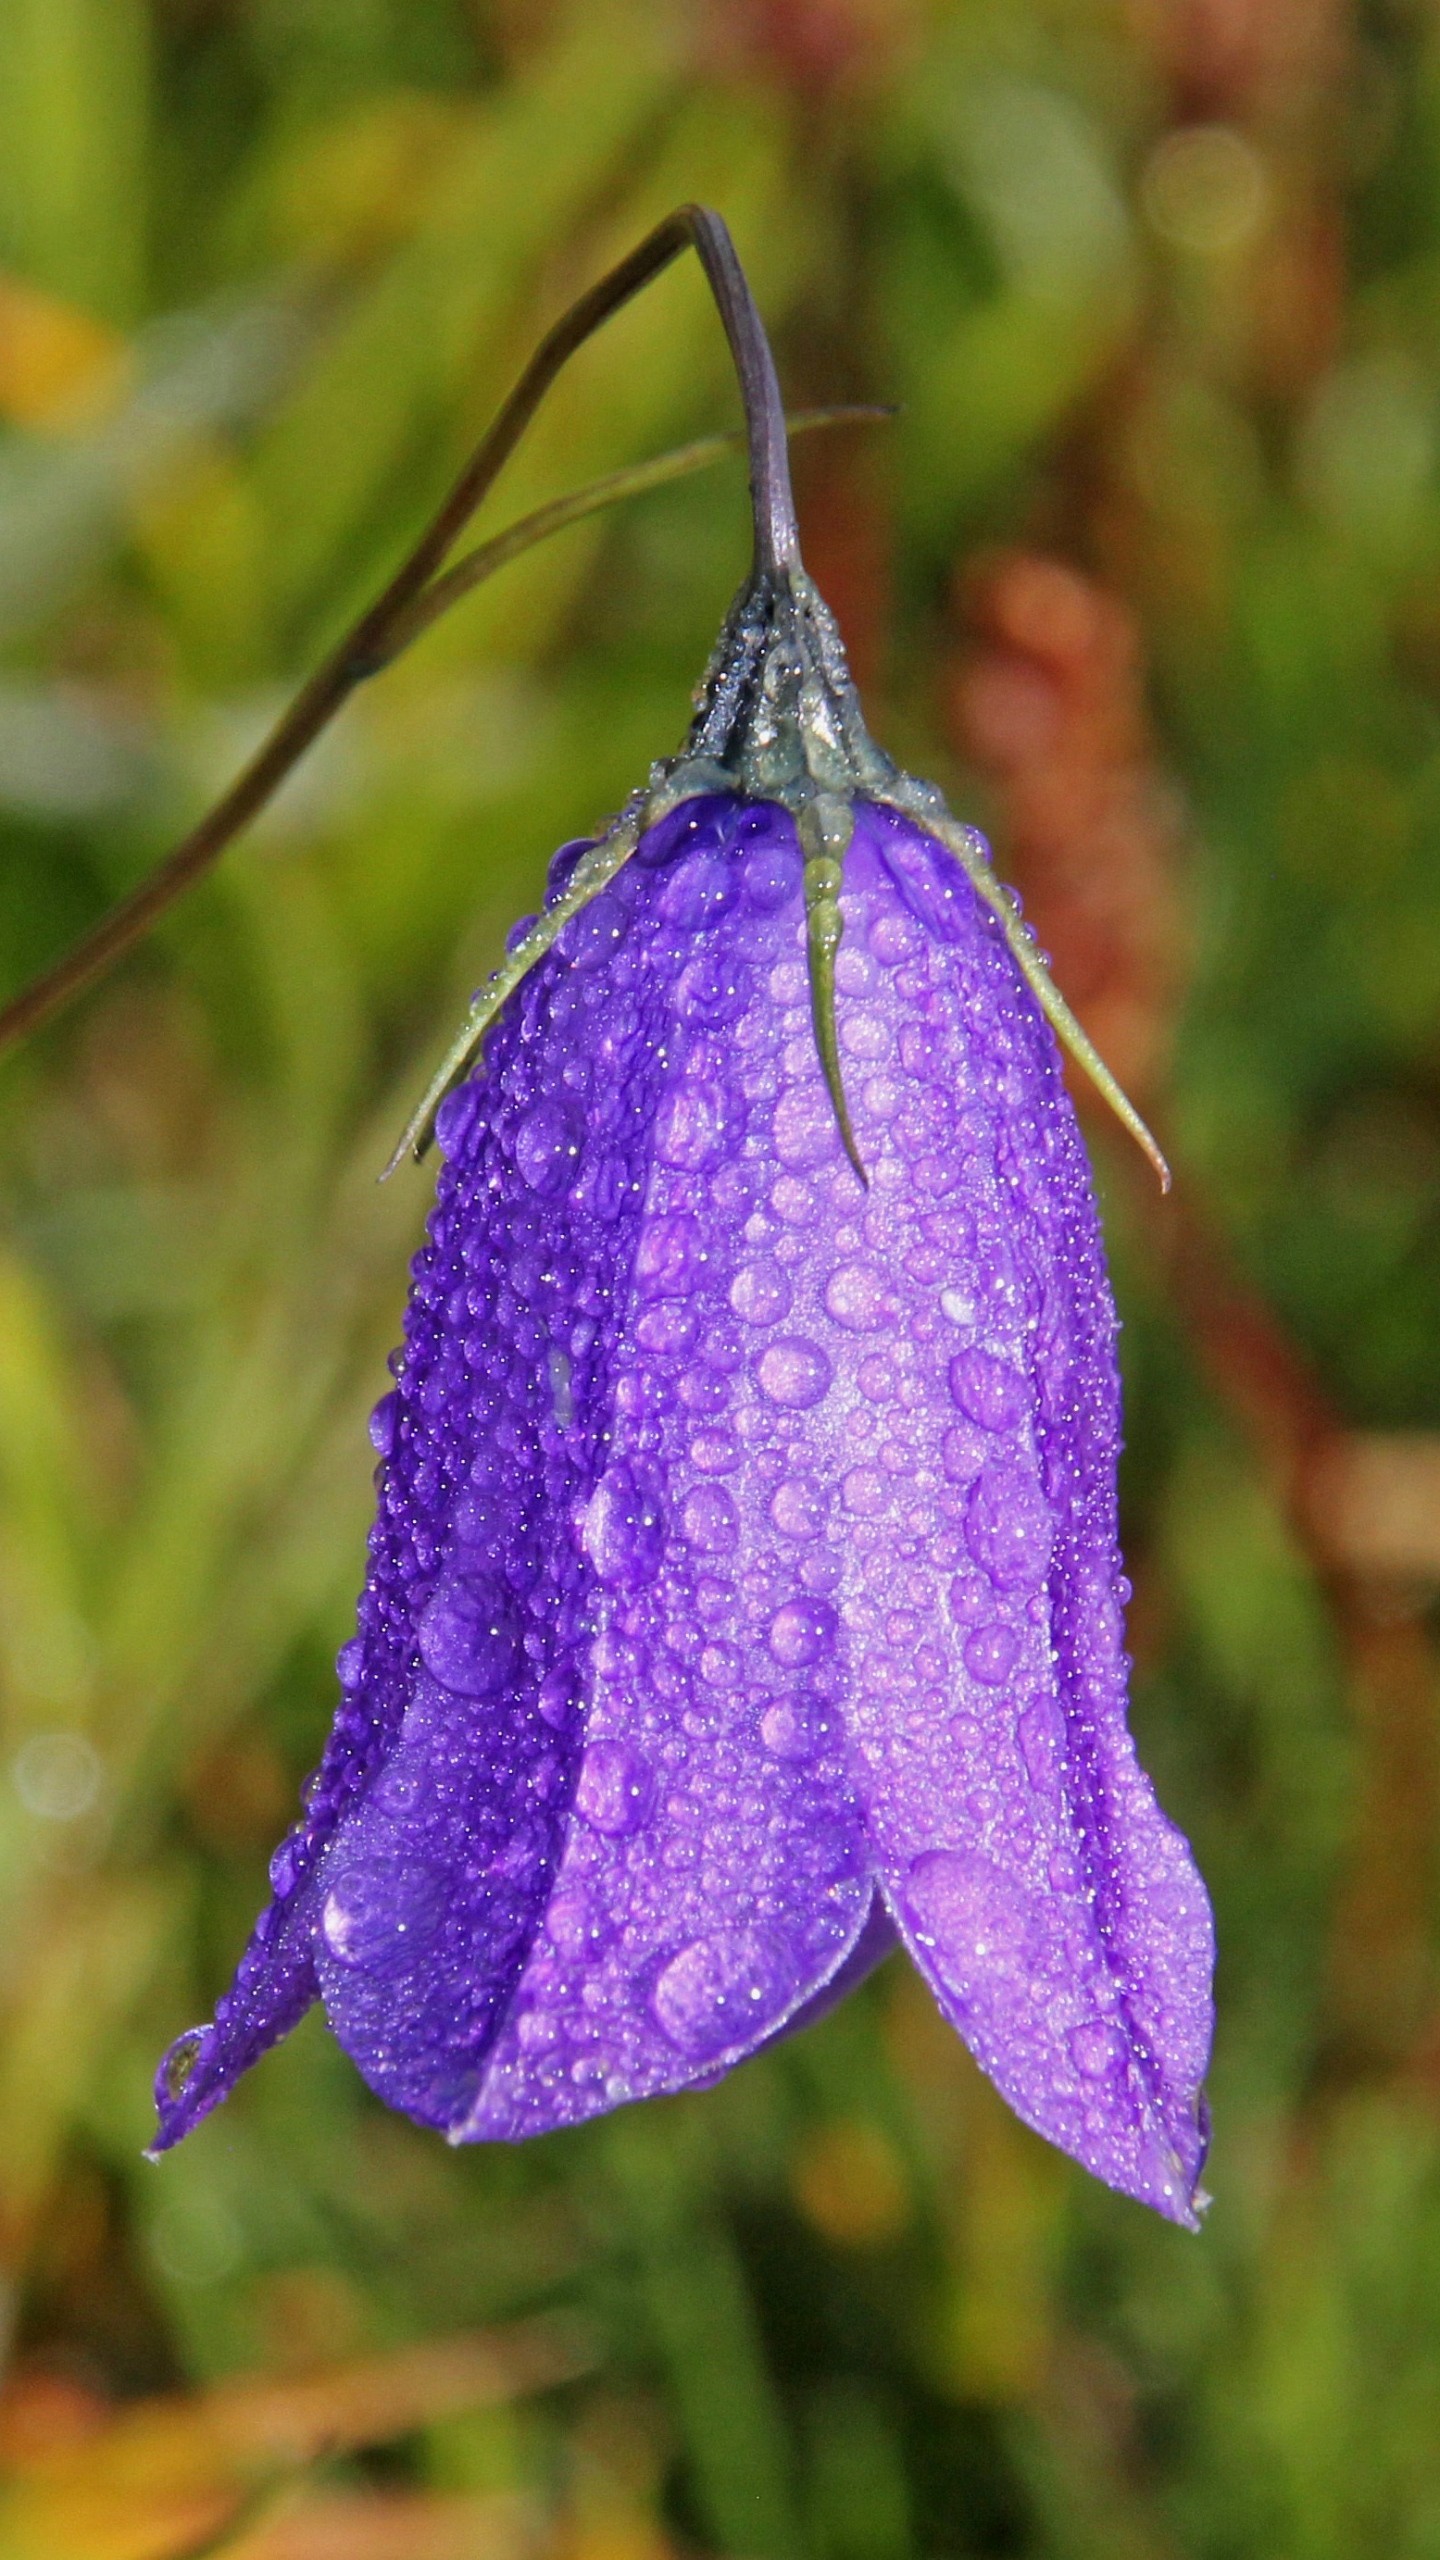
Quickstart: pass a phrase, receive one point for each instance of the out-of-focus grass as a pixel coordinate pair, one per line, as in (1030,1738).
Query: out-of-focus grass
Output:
(1162,300)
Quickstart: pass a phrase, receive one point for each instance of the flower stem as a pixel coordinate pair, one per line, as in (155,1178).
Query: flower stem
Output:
(408,604)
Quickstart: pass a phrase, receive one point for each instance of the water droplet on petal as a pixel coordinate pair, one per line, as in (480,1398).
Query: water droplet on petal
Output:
(801,1632)
(401,1784)
(721,1990)
(468,1636)
(548,1143)
(793,1372)
(455,1120)
(858,1298)
(176,2065)
(670,1256)
(699,892)
(616,1789)
(709,1519)
(1041,1734)
(692,1127)
(1009,1527)
(805,1132)
(989,1391)
(624,1528)
(376,1916)
(285,1865)
(760,1292)
(384,1424)
(1095,2047)
(794,1728)
(990,1653)
(798,1508)
(770,877)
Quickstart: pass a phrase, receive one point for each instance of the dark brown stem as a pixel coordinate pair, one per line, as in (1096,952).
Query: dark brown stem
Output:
(370,643)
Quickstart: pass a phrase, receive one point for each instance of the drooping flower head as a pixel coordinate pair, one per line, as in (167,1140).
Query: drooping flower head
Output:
(744,1592)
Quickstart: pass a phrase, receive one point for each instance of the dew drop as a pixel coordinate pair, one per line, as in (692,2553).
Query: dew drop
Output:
(699,891)
(670,1255)
(760,1292)
(797,1508)
(548,1143)
(285,1865)
(692,1127)
(1094,2048)
(467,1635)
(801,1632)
(721,1990)
(385,1424)
(804,1127)
(793,1372)
(400,1786)
(990,1653)
(616,1789)
(624,1527)
(374,1918)
(710,1520)
(866,1494)
(794,1728)
(988,1390)
(177,2064)
(770,877)
(858,1298)
(1009,1528)
(455,1120)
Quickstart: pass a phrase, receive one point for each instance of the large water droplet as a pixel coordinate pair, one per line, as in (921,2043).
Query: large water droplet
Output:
(801,1632)
(1095,2047)
(988,1390)
(1009,1527)
(385,1423)
(616,1789)
(760,1292)
(176,2065)
(548,1143)
(805,1127)
(402,1784)
(375,1917)
(692,1127)
(859,1299)
(721,1990)
(699,891)
(793,1372)
(624,1529)
(770,877)
(710,1520)
(285,1865)
(991,1653)
(794,1728)
(670,1255)
(455,1120)
(713,988)
(981,1925)
(798,1507)
(467,1635)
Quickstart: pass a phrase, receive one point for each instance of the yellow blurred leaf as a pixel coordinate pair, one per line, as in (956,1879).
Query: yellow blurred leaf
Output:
(168,2478)
(59,368)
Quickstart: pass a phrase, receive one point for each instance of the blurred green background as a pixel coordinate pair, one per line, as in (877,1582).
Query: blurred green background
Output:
(1148,574)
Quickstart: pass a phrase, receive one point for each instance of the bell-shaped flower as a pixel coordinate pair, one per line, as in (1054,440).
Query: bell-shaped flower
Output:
(744,1593)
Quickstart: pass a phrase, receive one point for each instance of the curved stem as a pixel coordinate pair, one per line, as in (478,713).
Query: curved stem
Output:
(371,641)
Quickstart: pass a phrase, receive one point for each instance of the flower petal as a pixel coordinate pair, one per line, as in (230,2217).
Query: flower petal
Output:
(1052,1907)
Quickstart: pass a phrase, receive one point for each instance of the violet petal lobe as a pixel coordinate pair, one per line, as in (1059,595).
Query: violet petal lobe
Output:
(745,1584)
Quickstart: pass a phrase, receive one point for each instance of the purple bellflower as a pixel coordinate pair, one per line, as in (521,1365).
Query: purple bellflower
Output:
(744,1594)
